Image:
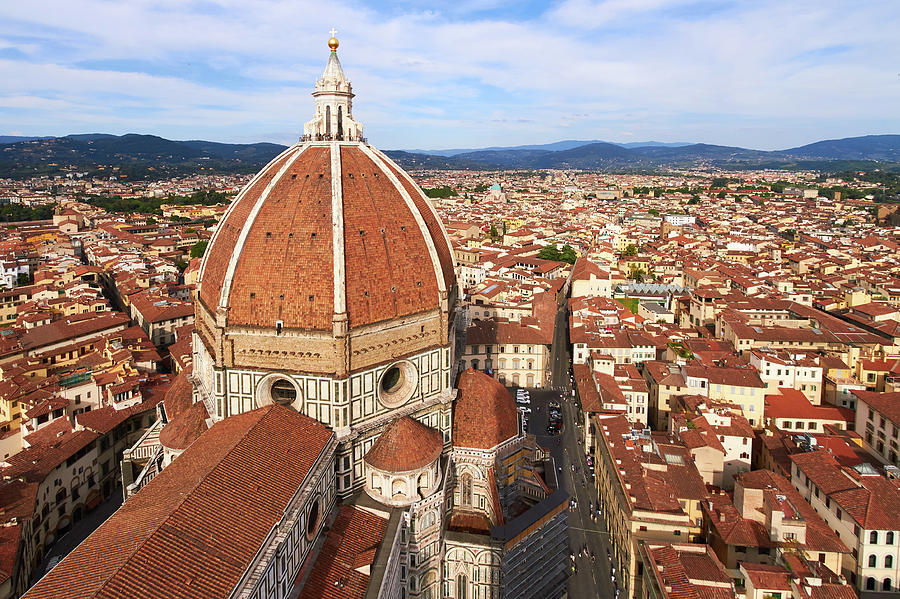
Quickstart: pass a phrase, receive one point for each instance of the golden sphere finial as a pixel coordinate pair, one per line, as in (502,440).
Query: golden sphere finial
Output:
(333,42)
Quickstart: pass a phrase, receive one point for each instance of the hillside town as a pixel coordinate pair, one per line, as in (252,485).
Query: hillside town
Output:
(718,351)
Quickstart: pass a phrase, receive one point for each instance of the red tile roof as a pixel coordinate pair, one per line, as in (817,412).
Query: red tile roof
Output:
(689,572)
(230,487)
(351,544)
(872,501)
(764,576)
(792,403)
(887,404)
(485,414)
(406,444)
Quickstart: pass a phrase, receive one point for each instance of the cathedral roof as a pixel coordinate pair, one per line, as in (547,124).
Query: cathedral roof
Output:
(405,445)
(230,486)
(485,414)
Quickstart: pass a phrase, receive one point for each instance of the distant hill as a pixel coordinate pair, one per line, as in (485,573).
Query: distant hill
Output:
(567,144)
(130,156)
(134,156)
(11,139)
(868,147)
(853,153)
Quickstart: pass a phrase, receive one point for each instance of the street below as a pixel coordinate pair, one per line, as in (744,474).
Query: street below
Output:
(587,532)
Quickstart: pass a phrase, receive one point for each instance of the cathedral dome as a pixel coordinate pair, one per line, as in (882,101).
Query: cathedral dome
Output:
(330,240)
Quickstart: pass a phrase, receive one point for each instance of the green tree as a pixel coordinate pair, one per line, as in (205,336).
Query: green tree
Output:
(439,192)
(549,252)
(23,279)
(494,234)
(568,254)
(199,248)
(653,212)
(722,195)
(631,250)
(693,201)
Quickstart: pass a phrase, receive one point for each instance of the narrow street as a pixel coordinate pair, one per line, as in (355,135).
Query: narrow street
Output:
(591,579)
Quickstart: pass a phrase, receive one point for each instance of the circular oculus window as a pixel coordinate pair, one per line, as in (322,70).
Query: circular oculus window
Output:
(398,383)
(281,391)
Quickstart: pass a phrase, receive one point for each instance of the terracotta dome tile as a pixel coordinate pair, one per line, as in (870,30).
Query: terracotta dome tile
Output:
(179,397)
(485,414)
(184,429)
(285,268)
(405,445)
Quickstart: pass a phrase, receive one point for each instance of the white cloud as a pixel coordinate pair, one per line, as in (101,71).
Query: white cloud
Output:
(660,68)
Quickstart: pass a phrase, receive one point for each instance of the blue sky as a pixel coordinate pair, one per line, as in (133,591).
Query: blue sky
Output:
(765,74)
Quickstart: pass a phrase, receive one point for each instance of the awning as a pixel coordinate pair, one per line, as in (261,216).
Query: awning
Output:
(93,501)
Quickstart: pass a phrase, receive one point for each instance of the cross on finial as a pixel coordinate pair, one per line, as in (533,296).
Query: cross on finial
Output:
(333,32)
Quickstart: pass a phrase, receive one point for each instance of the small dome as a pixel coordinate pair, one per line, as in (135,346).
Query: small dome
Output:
(405,445)
(184,429)
(485,414)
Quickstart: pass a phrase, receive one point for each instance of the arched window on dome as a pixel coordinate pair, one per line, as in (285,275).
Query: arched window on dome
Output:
(376,482)
(423,485)
(873,537)
(398,488)
(340,123)
(328,120)
(465,489)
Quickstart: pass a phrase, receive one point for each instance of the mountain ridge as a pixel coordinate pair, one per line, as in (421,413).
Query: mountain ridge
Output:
(138,156)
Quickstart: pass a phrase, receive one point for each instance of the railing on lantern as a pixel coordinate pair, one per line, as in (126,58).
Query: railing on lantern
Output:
(323,137)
